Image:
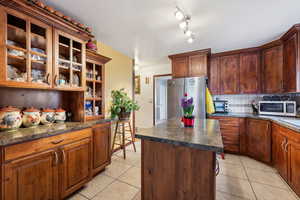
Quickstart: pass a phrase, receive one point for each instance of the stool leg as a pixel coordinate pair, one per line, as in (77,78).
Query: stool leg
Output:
(114,140)
(132,136)
(123,142)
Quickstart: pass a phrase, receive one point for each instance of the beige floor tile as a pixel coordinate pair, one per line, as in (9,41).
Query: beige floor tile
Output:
(77,197)
(131,157)
(230,159)
(266,177)
(117,191)
(138,196)
(253,164)
(266,192)
(97,184)
(224,196)
(132,177)
(232,170)
(116,169)
(235,186)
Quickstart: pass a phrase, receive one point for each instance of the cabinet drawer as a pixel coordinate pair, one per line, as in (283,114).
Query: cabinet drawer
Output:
(227,121)
(231,148)
(39,145)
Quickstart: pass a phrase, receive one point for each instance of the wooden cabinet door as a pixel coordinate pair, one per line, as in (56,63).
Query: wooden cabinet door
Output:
(272,68)
(76,166)
(250,72)
(279,152)
(180,67)
(294,174)
(229,74)
(198,65)
(214,75)
(33,177)
(101,146)
(259,139)
(290,57)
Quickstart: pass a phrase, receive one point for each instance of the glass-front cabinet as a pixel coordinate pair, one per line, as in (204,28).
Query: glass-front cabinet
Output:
(69,62)
(27,48)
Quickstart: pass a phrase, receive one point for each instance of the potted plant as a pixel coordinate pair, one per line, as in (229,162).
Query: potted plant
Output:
(188,109)
(122,105)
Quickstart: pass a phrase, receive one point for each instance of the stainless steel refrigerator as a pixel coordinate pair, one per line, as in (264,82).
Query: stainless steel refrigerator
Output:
(194,87)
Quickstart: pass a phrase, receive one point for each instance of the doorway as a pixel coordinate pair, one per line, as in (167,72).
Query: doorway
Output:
(160,98)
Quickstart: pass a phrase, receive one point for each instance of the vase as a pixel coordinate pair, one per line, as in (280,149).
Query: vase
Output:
(188,121)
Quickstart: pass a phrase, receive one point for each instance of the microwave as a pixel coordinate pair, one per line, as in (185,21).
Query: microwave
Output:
(278,108)
(221,106)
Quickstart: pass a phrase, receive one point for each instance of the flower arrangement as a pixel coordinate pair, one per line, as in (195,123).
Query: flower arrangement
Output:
(188,109)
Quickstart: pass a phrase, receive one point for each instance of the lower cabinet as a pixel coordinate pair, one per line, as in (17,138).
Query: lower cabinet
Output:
(294,173)
(280,151)
(76,166)
(32,177)
(101,146)
(259,139)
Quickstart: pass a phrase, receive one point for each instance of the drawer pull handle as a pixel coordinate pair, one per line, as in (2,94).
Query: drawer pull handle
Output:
(64,155)
(56,158)
(282,144)
(286,147)
(57,141)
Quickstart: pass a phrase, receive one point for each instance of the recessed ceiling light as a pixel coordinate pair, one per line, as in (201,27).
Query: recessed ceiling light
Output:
(188,33)
(183,25)
(190,40)
(179,15)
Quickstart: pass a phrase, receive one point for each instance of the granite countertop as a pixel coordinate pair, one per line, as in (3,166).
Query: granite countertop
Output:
(206,134)
(288,122)
(27,134)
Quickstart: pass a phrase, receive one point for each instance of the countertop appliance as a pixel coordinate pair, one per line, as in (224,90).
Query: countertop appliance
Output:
(278,108)
(194,87)
(221,106)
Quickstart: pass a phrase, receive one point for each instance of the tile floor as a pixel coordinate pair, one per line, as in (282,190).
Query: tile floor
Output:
(240,178)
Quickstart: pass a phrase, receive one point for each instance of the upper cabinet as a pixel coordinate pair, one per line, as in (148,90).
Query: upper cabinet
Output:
(229,74)
(69,57)
(272,69)
(214,75)
(250,72)
(26,51)
(291,59)
(190,64)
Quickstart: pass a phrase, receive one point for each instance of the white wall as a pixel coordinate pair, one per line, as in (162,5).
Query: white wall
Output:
(144,116)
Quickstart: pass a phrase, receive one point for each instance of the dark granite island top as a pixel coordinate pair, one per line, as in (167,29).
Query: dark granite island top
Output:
(27,134)
(206,134)
(178,162)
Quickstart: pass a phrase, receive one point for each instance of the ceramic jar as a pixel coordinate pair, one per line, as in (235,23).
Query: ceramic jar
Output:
(47,116)
(60,115)
(10,118)
(31,117)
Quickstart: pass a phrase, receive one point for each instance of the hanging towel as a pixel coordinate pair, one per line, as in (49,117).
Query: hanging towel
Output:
(210,108)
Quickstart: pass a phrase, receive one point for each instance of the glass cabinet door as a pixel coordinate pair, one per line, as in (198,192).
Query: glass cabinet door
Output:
(69,64)
(28,51)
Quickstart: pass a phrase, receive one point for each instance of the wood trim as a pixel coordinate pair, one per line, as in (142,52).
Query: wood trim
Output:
(191,53)
(154,77)
(238,51)
(93,56)
(271,44)
(290,32)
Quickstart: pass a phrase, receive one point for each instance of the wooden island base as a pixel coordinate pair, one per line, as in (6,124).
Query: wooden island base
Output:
(171,172)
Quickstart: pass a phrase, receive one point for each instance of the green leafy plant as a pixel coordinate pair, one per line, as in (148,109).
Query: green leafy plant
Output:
(121,103)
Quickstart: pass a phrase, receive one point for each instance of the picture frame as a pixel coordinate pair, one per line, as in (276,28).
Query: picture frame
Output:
(137,84)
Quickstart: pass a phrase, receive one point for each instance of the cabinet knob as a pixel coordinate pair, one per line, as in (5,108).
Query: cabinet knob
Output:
(55,80)
(47,79)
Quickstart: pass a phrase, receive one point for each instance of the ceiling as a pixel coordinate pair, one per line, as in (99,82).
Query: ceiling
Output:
(148,31)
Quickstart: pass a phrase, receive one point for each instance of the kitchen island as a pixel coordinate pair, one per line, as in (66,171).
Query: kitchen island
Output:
(180,163)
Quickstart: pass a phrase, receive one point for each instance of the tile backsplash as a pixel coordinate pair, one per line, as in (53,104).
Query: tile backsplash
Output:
(242,103)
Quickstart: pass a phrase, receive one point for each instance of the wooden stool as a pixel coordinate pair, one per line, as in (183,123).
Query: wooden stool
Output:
(121,124)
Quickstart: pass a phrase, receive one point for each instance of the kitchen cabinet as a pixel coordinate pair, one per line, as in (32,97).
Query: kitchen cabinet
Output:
(214,75)
(294,173)
(76,168)
(230,131)
(272,69)
(259,139)
(101,147)
(249,73)
(279,152)
(69,62)
(190,64)
(229,74)
(26,51)
(291,65)
(31,177)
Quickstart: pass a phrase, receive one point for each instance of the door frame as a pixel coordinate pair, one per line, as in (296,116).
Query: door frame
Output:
(154,78)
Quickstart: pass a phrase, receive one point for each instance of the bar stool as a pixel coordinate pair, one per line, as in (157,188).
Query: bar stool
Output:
(120,130)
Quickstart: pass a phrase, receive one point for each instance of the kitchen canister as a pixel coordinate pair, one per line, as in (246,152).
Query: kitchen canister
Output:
(60,115)
(31,117)
(47,116)
(10,118)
